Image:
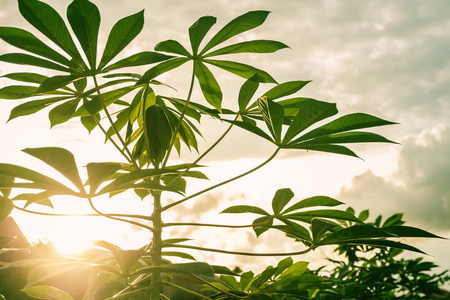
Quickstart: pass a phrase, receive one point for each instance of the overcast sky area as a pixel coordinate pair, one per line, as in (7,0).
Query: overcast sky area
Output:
(386,58)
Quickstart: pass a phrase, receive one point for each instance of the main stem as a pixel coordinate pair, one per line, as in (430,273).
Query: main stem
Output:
(155,251)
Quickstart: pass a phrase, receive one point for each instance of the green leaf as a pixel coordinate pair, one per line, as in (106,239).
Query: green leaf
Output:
(323,213)
(24,40)
(38,180)
(273,115)
(347,137)
(311,112)
(100,172)
(161,68)
(355,232)
(94,106)
(138,59)
(63,112)
(407,231)
(122,33)
(44,272)
(283,265)
(246,279)
(255,46)
(32,107)
(26,77)
(297,269)
(294,230)
(84,18)
(195,268)
(158,133)
(313,201)
(56,82)
(208,83)
(89,122)
(25,59)
(259,228)
(47,292)
(325,148)
(345,123)
(61,160)
(238,209)
(319,227)
(281,198)
(238,25)
(230,281)
(198,31)
(263,278)
(5,181)
(253,129)
(285,89)
(172,46)
(13,92)
(45,19)
(246,92)
(363,215)
(178,254)
(6,208)
(241,70)
(380,243)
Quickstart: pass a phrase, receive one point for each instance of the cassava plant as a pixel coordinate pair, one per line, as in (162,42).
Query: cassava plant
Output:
(146,126)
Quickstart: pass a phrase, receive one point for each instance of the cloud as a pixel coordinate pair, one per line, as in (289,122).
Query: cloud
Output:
(419,187)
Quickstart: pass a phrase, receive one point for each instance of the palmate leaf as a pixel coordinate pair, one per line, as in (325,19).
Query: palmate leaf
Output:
(45,19)
(347,137)
(122,33)
(84,18)
(208,83)
(14,92)
(47,292)
(322,213)
(285,89)
(161,68)
(26,77)
(172,46)
(238,209)
(343,124)
(408,231)
(238,25)
(25,59)
(25,40)
(138,59)
(63,112)
(242,70)
(273,115)
(310,112)
(281,198)
(38,181)
(94,106)
(246,92)
(312,202)
(198,31)
(255,46)
(355,232)
(100,172)
(61,160)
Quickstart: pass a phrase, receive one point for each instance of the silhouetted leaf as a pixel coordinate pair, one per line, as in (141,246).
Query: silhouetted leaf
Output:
(255,46)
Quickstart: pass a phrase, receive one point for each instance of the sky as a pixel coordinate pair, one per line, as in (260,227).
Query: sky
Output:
(386,58)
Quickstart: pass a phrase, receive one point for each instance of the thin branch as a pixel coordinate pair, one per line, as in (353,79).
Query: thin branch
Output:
(100,97)
(119,219)
(204,153)
(186,290)
(81,215)
(237,252)
(180,122)
(223,182)
(213,225)
(216,287)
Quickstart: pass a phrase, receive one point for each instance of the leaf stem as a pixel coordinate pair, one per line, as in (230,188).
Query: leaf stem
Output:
(111,121)
(186,290)
(204,153)
(81,215)
(223,182)
(213,225)
(118,219)
(180,122)
(237,252)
